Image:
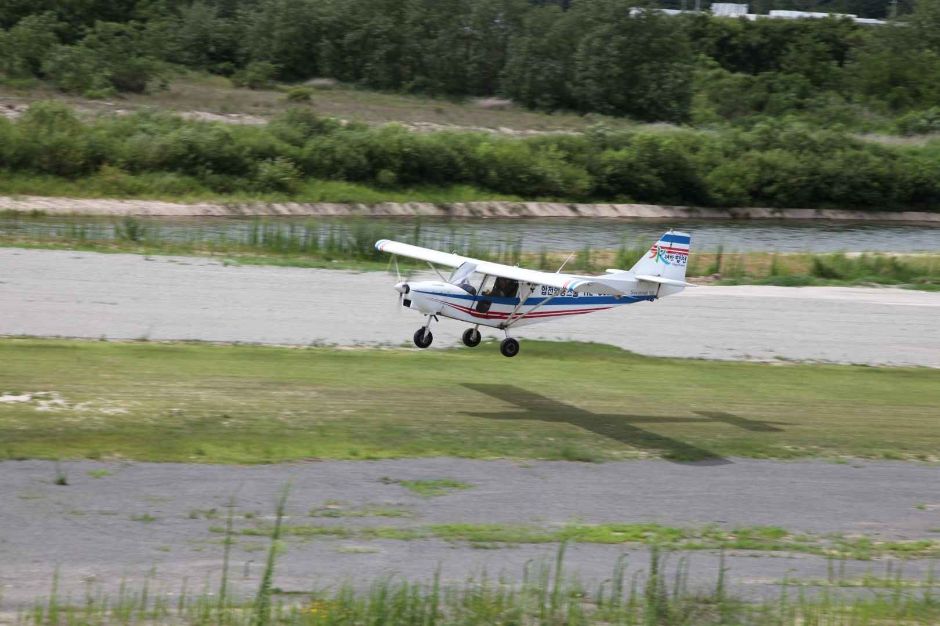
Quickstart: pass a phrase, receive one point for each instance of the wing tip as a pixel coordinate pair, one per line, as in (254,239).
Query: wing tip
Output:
(380,244)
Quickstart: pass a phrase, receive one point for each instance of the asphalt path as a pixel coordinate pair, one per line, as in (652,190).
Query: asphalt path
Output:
(127,522)
(124,296)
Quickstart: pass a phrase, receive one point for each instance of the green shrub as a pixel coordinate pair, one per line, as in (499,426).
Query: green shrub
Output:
(256,75)
(76,70)
(299,94)
(298,124)
(653,168)
(280,175)
(50,139)
(772,164)
(24,49)
(919,122)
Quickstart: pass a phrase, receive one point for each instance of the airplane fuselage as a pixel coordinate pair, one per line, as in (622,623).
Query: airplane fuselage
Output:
(542,303)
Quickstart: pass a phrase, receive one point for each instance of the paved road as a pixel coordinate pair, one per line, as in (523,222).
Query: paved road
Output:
(95,530)
(75,294)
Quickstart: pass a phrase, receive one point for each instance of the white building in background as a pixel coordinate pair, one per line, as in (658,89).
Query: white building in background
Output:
(735,10)
(729,9)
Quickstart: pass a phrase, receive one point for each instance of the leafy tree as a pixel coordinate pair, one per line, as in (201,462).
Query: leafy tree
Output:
(109,58)
(541,58)
(893,69)
(633,63)
(284,33)
(26,46)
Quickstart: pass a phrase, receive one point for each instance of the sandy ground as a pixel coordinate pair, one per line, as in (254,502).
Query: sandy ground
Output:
(122,296)
(88,529)
(92,206)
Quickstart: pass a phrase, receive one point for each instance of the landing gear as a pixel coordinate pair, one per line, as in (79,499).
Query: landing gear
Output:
(423,337)
(471,337)
(509,347)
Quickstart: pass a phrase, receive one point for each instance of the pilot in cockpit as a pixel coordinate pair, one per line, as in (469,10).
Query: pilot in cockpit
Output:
(503,288)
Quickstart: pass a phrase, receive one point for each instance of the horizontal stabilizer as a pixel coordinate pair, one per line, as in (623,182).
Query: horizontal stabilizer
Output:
(664,281)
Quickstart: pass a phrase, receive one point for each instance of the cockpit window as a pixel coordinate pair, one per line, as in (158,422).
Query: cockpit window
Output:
(502,288)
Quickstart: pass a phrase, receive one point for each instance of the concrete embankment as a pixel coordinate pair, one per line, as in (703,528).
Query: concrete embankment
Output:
(91,206)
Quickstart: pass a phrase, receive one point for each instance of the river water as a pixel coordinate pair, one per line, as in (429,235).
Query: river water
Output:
(552,234)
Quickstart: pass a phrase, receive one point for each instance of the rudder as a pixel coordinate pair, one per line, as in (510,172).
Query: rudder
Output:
(667,257)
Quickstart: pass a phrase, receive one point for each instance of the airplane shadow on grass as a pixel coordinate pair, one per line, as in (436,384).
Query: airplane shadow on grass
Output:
(620,427)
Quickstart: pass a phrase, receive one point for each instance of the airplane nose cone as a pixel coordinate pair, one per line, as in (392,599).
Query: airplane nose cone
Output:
(402,288)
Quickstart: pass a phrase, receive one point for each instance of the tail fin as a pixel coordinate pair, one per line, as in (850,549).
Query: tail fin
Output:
(667,258)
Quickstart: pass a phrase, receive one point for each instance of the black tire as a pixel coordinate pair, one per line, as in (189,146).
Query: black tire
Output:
(423,337)
(509,347)
(471,338)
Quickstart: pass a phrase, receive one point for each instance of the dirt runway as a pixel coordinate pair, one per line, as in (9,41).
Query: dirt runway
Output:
(123,296)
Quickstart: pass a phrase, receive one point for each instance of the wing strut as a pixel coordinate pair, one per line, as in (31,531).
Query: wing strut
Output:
(437,271)
(510,321)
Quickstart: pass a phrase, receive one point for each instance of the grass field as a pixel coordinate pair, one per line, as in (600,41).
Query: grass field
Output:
(579,402)
(217,96)
(186,189)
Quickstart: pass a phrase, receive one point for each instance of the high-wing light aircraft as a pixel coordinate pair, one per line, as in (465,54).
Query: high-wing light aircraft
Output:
(504,296)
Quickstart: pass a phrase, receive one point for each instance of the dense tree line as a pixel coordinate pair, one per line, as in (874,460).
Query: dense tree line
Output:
(585,55)
(771,164)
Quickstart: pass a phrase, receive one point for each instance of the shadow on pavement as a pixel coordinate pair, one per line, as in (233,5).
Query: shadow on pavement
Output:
(620,427)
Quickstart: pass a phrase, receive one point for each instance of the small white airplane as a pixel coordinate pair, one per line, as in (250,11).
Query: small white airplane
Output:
(504,296)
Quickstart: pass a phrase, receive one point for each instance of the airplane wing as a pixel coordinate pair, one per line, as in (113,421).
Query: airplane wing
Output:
(549,279)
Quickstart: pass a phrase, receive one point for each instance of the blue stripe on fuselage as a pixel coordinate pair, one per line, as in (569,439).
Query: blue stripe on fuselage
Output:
(538,300)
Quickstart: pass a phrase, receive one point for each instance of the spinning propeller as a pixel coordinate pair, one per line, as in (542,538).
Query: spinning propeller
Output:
(401,287)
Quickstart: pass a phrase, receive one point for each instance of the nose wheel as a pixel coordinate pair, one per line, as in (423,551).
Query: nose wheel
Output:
(509,347)
(471,337)
(423,337)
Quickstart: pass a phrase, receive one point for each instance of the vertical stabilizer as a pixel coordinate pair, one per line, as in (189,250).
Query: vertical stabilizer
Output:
(667,258)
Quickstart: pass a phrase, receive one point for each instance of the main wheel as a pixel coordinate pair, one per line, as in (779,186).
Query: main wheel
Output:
(509,347)
(471,337)
(423,337)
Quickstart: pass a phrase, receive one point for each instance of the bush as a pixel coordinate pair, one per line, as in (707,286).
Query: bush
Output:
(280,175)
(299,94)
(773,164)
(50,139)
(24,49)
(919,122)
(106,61)
(653,168)
(76,70)
(257,75)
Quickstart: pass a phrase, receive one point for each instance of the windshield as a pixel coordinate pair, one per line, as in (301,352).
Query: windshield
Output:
(462,274)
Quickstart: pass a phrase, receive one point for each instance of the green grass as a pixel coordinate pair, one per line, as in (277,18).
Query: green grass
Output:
(217,95)
(636,593)
(711,537)
(171,187)
(433,487)
(253,404)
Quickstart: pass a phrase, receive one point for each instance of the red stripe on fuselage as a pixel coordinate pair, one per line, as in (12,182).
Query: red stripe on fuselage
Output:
(500,315)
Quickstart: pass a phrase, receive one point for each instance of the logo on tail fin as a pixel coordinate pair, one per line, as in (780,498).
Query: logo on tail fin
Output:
(669,255)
